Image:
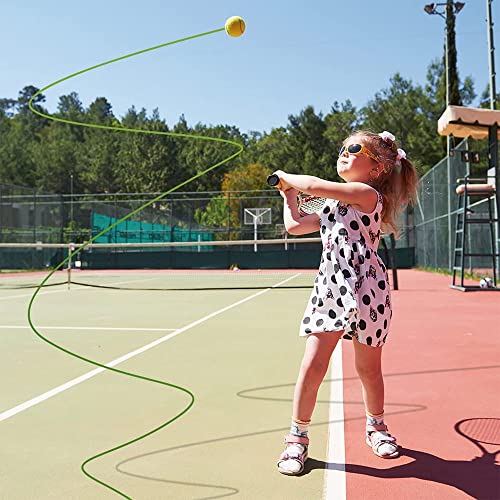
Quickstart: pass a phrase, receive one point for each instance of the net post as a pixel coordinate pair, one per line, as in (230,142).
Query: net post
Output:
(393,262)
(255,233)
(71,248)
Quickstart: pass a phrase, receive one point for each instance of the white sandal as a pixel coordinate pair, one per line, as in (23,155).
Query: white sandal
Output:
(381,442)
(292,456)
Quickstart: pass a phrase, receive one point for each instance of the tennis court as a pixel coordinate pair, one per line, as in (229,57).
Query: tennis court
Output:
(236,348)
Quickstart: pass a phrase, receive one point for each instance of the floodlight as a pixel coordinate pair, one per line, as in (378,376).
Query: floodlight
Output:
(459,6)
(430,8)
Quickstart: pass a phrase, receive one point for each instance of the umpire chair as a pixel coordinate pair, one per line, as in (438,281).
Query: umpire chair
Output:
(478,123)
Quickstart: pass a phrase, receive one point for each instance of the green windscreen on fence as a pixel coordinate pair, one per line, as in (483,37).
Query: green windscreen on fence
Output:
(132,231)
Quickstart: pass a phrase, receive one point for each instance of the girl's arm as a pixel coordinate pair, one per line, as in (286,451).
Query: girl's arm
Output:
(294,222)
(358,194)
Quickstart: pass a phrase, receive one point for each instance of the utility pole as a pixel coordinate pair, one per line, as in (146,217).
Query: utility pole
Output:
(493,129)
(491,51)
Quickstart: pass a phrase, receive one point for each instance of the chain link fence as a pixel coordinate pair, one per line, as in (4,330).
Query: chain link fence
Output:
(28,216)
(435,214)
(427,235)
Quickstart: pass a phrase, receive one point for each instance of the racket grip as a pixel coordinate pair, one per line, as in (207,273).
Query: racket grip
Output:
(273,180)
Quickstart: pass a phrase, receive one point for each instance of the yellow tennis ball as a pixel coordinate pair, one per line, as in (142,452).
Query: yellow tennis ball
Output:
(235,26)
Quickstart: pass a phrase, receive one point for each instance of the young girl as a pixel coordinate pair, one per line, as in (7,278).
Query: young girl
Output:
(351,295)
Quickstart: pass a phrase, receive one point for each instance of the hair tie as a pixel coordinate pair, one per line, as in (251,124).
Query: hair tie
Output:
(387,136)
(401,155)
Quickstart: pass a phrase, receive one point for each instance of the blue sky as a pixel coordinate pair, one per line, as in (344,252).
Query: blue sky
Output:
(293,54)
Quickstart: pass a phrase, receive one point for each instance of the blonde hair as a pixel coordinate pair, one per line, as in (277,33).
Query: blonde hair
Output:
(397,182)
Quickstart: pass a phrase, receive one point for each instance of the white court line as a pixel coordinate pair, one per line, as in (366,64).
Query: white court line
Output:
(335,479)
(27,327)
(46,395)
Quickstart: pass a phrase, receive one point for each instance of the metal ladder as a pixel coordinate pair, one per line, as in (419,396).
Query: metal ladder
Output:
(464,218)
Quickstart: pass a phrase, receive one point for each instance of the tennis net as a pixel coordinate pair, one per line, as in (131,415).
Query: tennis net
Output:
(284,263)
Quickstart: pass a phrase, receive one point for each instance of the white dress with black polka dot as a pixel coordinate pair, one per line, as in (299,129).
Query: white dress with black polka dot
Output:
(351,291)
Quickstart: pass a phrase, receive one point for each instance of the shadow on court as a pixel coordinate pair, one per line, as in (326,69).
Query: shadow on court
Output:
(478,477)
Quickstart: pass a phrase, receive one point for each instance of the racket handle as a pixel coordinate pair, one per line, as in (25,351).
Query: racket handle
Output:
(273,180)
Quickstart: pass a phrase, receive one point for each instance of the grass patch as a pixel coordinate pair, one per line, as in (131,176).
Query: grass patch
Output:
(447,272)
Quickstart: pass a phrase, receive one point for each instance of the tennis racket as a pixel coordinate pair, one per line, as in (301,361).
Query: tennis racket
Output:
(306,203)
(481,432)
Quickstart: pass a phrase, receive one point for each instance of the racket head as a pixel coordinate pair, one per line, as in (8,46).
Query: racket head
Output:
(309,204)
(480,430)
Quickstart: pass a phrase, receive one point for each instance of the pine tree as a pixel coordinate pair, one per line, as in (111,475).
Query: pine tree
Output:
(454,97)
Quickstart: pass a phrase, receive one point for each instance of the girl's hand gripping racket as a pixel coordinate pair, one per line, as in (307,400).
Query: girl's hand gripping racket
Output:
(306,203)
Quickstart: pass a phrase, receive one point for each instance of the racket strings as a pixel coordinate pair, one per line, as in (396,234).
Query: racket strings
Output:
(309,204)
(482,430)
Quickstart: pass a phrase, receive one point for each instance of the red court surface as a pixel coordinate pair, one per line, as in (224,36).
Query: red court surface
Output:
(441,365)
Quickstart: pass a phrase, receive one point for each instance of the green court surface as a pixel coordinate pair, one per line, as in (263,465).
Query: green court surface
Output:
(237,350)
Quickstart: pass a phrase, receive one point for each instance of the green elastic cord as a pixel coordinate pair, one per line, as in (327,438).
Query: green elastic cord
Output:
(40,286)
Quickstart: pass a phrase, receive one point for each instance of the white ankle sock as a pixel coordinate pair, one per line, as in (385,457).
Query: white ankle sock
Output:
(299,428)
(375,419)
(384,448)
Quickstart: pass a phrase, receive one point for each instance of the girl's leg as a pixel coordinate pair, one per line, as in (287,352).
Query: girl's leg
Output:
(319,349)
(368,361)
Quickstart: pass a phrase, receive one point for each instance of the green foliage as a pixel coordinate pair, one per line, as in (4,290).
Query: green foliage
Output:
(215,213)
(485,98)
(407,111)
(246,178)
(53,156)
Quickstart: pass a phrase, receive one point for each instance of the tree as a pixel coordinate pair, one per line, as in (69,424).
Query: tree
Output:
(100,112)
(70,107)
(342,120)
(270,151)
(307,146)
(17,165)
(7,107)
(239,186)
(21,137)
(24,97)
(56,160)
(407,112)
(197,155)
(145,162)
(484,101)
(435,87)
(214,215)
(301,147)
(246,178)
(453,84)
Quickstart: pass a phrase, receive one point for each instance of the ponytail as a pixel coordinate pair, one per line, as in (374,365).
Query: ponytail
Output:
(409,182)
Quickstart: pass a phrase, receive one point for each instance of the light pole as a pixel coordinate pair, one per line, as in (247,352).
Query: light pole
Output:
(491,52)
(493,129)
(449,8)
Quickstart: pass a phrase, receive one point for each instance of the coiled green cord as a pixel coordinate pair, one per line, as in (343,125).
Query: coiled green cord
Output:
(60,265)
